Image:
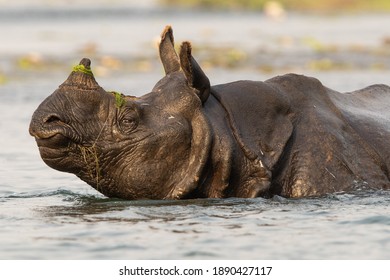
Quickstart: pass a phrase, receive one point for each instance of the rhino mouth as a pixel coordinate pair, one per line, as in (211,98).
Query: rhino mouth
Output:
(56,139)
(54,144)
(58,146)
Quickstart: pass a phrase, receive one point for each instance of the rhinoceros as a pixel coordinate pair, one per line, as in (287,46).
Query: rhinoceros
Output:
(289,136)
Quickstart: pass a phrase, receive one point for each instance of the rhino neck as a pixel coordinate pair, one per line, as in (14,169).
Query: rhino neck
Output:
(190,177)
(230,171)
(217,173)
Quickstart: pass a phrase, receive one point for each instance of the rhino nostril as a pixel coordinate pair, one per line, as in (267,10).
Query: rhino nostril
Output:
(52,119)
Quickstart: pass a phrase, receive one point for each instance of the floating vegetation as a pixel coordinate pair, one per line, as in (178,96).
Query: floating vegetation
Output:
(327,64)
(3,79)
(317,46)
(321,64)
(281,54)
(226,57)
(289,5)
(30,61)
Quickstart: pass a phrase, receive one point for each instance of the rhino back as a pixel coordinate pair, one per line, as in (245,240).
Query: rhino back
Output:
(293,124)
(368,112)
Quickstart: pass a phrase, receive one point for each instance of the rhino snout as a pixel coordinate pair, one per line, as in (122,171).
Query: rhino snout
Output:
(51,125)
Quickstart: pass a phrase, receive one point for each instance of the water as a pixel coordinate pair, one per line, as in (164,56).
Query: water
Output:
(45,214)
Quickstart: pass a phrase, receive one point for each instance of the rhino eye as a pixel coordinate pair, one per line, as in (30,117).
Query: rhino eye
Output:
(128,120)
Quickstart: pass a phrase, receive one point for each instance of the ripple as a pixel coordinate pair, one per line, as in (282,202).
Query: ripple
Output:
(59,192)
(379,219)
(196,229)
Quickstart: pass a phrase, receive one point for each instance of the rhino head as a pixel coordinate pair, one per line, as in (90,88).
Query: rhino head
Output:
(149,147)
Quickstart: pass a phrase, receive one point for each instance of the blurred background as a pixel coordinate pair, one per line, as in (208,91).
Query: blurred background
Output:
(247,39)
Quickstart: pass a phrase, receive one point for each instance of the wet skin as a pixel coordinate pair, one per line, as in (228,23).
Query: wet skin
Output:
(289,135)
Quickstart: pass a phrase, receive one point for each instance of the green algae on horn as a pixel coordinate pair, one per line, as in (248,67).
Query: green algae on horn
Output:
(83,69)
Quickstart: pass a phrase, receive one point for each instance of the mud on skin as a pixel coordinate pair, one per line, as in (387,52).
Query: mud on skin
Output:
(289,135)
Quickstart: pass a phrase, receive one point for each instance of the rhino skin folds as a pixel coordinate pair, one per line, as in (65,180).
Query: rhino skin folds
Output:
(289,135)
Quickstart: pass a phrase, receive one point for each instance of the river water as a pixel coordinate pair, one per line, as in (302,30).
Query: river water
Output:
(45,214)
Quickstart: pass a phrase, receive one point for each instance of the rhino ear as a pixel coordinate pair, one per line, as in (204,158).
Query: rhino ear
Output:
(168,54)
(194,74)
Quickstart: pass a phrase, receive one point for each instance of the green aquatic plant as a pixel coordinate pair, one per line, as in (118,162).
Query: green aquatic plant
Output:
(119,99)
(83,69)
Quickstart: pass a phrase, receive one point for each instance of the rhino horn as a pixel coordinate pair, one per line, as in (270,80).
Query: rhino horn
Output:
(81,77)
(168,54)
(195,76)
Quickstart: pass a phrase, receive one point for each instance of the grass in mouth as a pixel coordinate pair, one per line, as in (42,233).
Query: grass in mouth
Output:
(91,159)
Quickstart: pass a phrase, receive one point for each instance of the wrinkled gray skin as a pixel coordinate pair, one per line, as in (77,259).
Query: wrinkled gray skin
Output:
(289,135)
